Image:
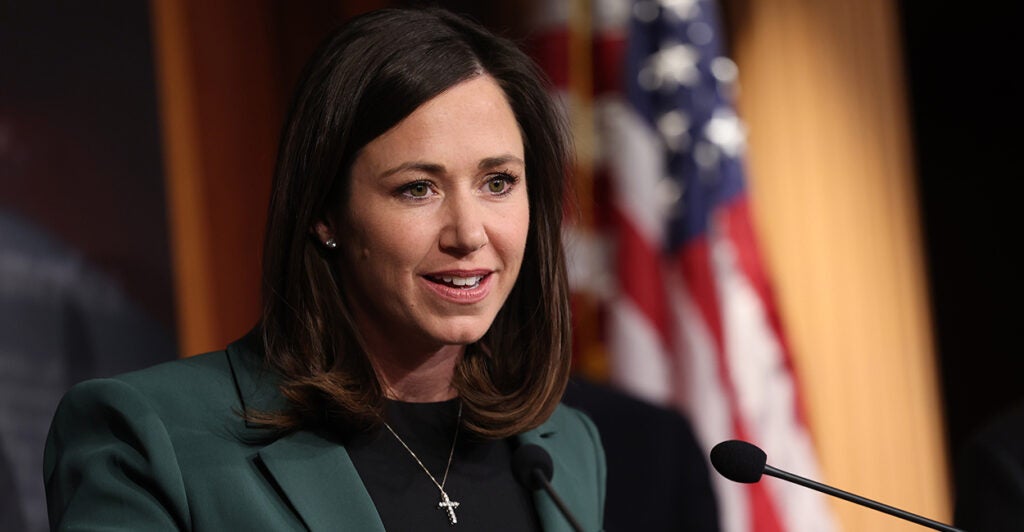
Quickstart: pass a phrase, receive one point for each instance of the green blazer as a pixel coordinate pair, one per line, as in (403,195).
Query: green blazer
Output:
(165,449)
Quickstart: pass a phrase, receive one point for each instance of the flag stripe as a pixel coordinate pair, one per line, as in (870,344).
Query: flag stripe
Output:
(638,261)
(696,269)
(741,232)
(689,318)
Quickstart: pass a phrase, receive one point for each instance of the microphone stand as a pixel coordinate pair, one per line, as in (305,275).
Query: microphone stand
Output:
(845,495)
(539,477)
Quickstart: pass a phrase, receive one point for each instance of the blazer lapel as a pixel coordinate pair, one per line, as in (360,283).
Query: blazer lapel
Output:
(563,480)
(315,474)
(320,482)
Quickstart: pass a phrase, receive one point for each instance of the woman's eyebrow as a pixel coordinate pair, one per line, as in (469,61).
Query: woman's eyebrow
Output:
(430,168)
(435,168)
(491,162)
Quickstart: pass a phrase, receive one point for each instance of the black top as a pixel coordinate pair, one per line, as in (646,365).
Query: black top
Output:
(480,478)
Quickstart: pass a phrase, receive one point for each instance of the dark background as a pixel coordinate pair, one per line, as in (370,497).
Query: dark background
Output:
(82,208)
(965,94)
(79,141)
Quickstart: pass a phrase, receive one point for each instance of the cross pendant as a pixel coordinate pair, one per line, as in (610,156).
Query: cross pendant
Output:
(449,505)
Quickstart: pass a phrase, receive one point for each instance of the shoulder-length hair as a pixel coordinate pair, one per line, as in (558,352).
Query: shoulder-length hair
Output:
(369,75)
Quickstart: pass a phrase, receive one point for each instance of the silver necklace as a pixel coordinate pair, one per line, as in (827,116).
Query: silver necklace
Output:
(446,503)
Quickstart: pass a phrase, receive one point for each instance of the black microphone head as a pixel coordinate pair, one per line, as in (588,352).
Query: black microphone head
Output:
(528,458)
(739,461)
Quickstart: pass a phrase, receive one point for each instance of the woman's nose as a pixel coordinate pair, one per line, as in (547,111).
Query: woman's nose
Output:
(464,230)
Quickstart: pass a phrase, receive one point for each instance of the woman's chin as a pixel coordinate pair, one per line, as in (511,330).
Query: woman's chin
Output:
(460,334)
(462,339)
(459,326)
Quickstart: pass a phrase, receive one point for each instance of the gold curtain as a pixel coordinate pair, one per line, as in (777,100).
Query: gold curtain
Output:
(225,72)
(216,97)
(832,182)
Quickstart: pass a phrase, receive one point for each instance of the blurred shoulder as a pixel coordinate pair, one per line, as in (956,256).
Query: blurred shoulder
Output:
(614,410)
(570,431)
(183,374)
(181,388)
(571,419)
(1006,430)
(604,401)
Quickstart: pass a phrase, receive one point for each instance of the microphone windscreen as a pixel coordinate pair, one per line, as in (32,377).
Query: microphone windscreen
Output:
(739,461)
(528,458)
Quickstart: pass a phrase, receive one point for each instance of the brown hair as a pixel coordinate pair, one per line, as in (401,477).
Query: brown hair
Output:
(369,75)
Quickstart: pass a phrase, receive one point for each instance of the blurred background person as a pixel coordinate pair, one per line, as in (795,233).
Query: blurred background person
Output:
(990,477)
(61,321)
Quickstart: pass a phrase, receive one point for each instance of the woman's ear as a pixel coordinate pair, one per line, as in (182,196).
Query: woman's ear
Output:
(324,234)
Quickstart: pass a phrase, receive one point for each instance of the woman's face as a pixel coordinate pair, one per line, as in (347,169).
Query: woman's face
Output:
(438,217)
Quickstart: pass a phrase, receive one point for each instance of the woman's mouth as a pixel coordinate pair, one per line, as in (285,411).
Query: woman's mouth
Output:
(462,288)
(466,283)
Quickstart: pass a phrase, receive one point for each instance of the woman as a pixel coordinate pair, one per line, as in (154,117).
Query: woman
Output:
(415,327)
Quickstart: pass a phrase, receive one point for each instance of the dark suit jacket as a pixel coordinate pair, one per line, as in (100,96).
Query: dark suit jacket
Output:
(658,477)
(10,512)
(990,476)
(165,449)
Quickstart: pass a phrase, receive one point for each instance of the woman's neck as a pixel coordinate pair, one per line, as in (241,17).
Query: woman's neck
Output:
(417,376)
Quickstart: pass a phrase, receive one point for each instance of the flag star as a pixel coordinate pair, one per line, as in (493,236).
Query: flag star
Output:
(682,9)
(724,70)
(675,64)
(726,131)
(674,128)
(646,10)
(671,193)
(611,14)
(706,156)
(700,33)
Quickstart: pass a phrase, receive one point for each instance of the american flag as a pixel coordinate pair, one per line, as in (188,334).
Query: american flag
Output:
(665,268)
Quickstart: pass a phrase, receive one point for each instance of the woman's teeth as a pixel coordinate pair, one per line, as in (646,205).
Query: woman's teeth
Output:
(461,282)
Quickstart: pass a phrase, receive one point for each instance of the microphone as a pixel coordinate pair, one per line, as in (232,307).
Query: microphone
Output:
(740,461)
(533,469)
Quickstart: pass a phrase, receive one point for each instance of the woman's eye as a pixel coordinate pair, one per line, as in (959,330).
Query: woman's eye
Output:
(500,184)
(497,185)
(417,190)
